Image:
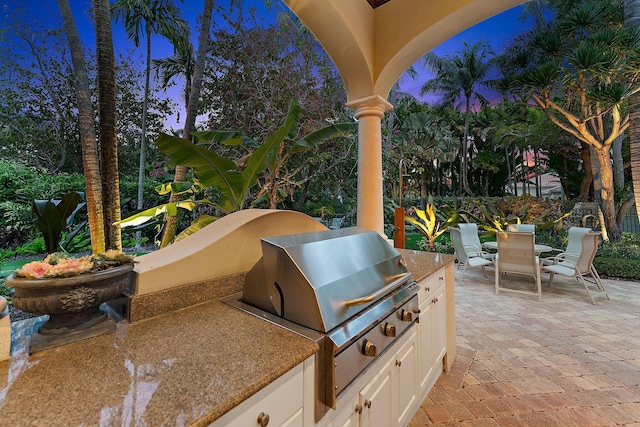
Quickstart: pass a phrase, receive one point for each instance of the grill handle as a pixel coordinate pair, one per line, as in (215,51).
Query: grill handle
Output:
(397,279)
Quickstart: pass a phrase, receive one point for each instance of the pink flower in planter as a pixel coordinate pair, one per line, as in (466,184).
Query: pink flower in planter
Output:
(33,270)
(58,267)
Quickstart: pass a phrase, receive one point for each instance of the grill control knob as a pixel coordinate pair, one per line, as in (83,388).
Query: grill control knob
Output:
(390,330)
(406,316)
(369,348)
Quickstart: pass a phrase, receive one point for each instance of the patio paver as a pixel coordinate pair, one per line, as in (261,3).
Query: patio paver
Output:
(559,362)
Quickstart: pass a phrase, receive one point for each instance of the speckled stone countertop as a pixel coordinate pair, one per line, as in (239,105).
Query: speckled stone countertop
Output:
(188,367)
(423,264)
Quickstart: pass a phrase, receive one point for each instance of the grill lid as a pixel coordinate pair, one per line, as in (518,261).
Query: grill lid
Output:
(321,279)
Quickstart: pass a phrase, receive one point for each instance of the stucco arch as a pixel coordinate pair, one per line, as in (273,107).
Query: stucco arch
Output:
(371,48)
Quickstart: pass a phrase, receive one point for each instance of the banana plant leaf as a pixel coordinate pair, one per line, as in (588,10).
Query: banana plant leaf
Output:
(215,171)
(197,225)
(211,169)
(321,135)
(147,214)
(226,137)
(178,187)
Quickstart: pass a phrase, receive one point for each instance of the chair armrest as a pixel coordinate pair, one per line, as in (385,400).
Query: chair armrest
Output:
(551,260)
(556,259)
(474,251)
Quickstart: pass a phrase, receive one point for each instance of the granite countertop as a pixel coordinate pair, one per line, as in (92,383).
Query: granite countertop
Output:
(188,367)
(185,368)
(423,264)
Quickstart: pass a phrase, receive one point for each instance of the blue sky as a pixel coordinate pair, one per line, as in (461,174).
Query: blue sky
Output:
(496,31)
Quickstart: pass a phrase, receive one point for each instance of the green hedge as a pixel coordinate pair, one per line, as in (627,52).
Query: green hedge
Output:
(622,268)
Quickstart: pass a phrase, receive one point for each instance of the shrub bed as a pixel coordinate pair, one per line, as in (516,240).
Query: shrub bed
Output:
(622,268)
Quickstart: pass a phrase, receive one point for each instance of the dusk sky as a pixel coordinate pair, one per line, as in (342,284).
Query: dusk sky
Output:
(496,31)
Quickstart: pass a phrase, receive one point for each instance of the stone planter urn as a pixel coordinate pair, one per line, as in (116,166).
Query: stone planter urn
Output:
(72,303)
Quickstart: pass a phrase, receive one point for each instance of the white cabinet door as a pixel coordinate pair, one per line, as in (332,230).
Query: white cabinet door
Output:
(281,401)
(377,399)
(349,416)
(425,339)
(440,325)
(406,379)
(432,329)
(296,420)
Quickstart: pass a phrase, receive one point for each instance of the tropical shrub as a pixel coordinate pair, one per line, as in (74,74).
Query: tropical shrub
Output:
(493,215)
(627,248)
(234,179)
(5,291)
(55,216)
(622,268)
(432,223)
(34,247)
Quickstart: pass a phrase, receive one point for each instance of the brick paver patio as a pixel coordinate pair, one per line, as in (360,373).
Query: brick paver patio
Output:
(559,362)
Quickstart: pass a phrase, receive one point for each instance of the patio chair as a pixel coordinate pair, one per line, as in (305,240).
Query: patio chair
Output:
(577,260)
(526,228)
(471,241)
(336,223)
(516,254)
(468,254)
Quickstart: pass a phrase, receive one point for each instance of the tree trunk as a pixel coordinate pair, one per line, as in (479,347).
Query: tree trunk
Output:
(423,188)
(585,185)
(143,136)
(632,19)
(107,110)
(90,162)
(465,150)
(618,161)
(603,178)
(192,111)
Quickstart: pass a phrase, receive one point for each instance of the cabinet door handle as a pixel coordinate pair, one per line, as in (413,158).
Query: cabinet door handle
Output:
(263,419)
(358,409)
(427,288)
(398,363)
(367,403)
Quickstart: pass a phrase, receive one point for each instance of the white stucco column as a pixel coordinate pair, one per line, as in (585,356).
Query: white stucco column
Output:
(369,112)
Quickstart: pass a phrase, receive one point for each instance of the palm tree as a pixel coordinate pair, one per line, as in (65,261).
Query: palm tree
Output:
(181,64)
(192,108)
(146,18)
(192,111)
(580,71)
(107,111)
(88,142)
(632,20)
(458,77)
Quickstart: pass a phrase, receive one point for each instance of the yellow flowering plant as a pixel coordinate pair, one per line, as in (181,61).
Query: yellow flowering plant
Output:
(60,265)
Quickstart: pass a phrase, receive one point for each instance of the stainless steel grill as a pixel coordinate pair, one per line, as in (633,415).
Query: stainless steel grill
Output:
(346,289)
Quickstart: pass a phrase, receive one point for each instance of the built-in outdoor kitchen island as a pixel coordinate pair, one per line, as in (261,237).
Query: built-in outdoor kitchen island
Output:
(186,357)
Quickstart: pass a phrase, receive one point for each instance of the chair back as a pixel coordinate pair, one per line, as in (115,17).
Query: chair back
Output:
(589,248)
(469,235)
(526,228)
(574,246)
(516,252)
(458,246)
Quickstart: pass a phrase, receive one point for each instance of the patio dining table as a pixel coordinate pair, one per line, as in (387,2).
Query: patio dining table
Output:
(538,248)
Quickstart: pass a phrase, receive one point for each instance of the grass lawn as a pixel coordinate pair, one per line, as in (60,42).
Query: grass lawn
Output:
(412,239)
